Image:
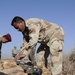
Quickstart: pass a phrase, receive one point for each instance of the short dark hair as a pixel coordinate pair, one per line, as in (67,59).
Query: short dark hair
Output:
(16,19)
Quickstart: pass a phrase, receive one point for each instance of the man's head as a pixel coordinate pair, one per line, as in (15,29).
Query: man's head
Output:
(6,38)
(18,23)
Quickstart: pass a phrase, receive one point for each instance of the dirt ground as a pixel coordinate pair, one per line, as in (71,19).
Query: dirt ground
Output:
(9,67)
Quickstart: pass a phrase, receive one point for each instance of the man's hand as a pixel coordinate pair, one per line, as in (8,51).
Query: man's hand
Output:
(19,56)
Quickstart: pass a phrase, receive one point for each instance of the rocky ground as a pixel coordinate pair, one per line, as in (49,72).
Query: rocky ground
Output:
(9,67)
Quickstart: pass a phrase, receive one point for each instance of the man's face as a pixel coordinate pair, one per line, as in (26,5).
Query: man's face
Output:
(20,26)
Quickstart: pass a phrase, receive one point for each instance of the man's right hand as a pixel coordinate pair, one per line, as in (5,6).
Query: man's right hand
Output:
(19,56)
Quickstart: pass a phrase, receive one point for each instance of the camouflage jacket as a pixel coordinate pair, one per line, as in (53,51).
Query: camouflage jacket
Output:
(41,31)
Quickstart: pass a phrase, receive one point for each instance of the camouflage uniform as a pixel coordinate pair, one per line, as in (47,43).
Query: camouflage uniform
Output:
(49,33)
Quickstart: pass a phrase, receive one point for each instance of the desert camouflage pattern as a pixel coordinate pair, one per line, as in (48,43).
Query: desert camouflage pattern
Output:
(49,33)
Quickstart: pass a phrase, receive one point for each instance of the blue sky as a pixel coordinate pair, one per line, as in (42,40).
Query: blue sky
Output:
(61,12)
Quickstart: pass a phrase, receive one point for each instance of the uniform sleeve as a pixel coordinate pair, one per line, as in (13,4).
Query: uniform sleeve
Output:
(34,35)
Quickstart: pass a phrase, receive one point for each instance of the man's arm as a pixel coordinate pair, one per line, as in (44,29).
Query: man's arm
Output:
(28,46)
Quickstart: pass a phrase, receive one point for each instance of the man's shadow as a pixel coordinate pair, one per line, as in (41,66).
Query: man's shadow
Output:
(1,73)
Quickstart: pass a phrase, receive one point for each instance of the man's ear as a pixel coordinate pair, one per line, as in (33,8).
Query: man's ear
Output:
(14,23)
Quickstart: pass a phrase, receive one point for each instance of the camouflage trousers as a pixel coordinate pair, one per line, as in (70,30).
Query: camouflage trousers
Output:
(55,45)
(55,56)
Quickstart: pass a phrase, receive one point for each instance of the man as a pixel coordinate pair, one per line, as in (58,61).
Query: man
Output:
(36,30)
(4,39)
